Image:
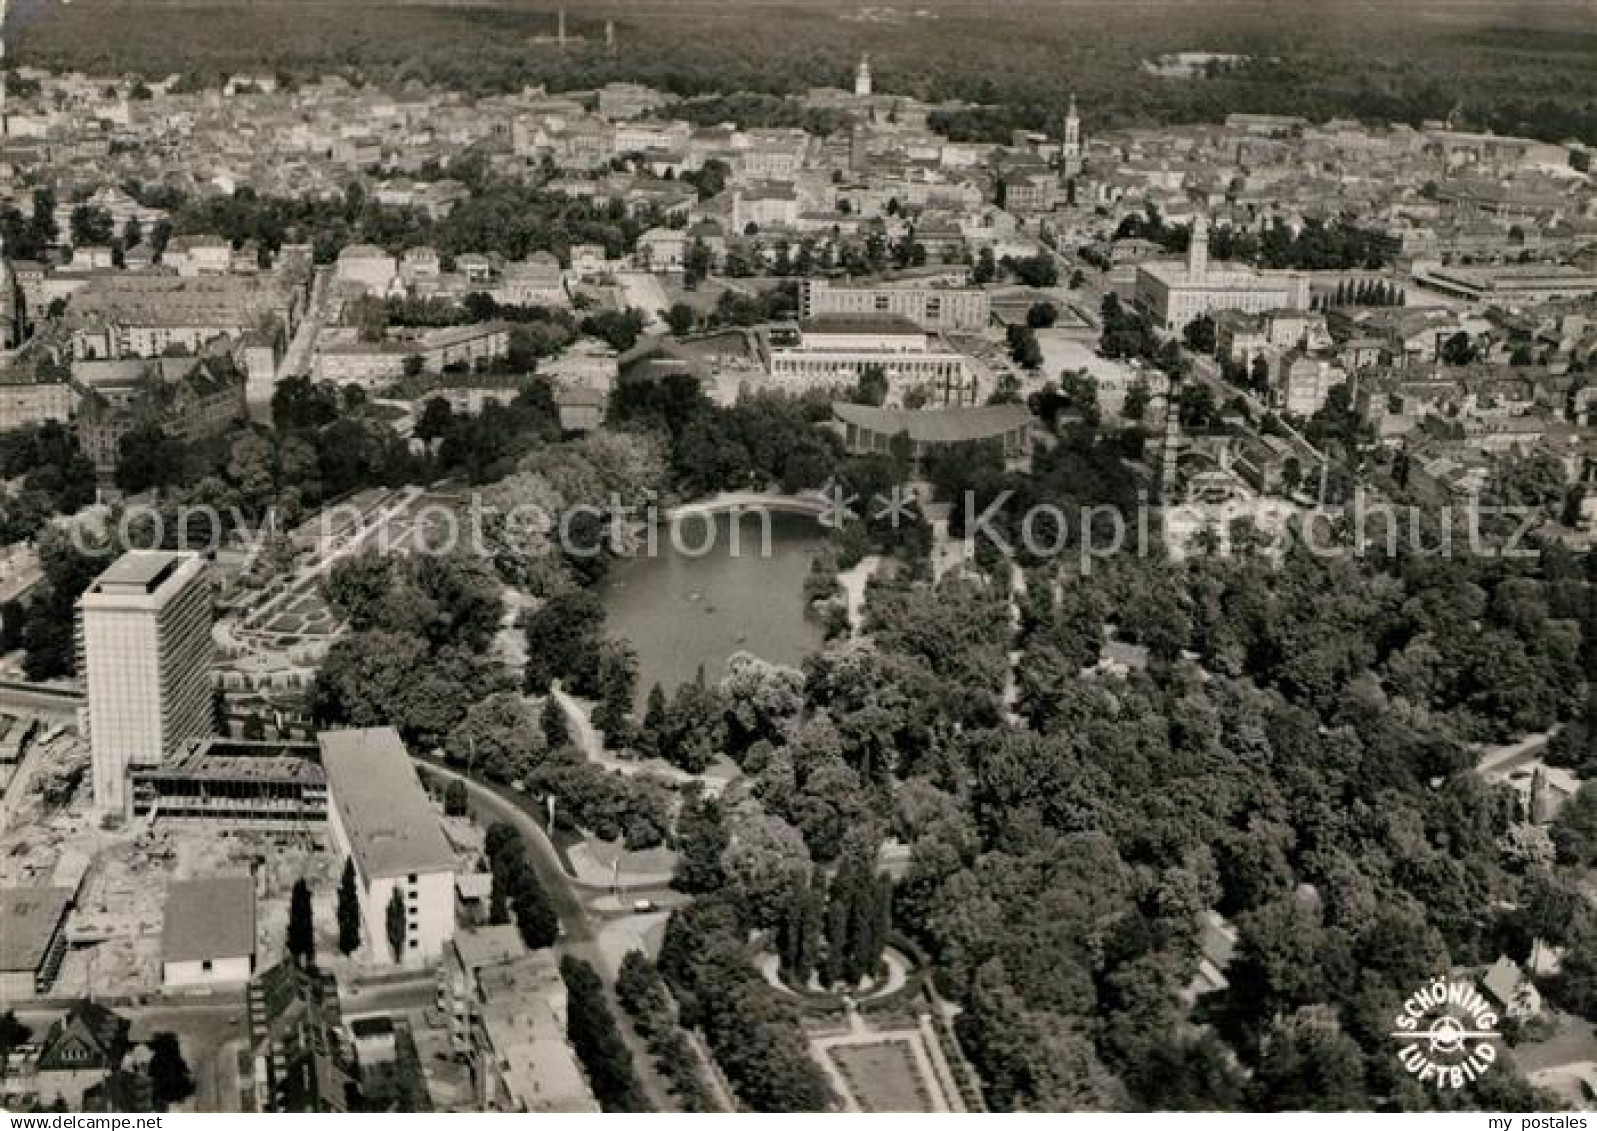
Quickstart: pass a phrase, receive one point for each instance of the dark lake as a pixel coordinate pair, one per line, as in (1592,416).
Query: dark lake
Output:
(682,608)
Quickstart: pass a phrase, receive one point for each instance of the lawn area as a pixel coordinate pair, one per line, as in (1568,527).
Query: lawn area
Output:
(882,1076)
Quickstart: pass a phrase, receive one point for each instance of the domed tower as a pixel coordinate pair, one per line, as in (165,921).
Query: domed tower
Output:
(862,78)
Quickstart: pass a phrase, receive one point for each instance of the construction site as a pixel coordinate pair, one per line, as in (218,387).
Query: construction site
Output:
(118,878)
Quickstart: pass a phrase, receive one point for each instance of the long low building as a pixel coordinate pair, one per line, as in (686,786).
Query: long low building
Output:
(344,359)
(32,940)
(380,818)
(1508,283)
(929,307)
(868,430)
(835,349)
(121,314)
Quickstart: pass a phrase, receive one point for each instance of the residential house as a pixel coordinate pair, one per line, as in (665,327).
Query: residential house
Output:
(369,266)
(663,249)
(537,281)
(193,256)
(1512,989)
(80,1051)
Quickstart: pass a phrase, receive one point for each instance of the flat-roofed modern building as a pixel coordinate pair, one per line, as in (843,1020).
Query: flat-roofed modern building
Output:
(144,629)
(835,349)
(208,933)
(380,817)
(1528,283)
(32,940)
(929,307)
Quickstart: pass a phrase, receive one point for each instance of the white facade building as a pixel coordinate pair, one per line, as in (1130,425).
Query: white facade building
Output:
(1173,294)
(380,818)
(145,650)
(965,309)
(370,266)
(208,933)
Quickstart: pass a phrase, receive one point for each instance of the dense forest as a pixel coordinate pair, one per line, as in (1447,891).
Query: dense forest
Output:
(1516,71)
(1298,755)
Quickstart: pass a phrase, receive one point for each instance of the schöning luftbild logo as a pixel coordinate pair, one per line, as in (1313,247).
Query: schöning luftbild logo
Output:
(1448,1030)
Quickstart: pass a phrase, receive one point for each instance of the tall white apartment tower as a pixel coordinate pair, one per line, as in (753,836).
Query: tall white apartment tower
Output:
(862,77)
(144,636)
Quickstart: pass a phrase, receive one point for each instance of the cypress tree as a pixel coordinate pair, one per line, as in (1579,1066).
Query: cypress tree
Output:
(790,932)
(701,841)
(535,915)
(556,732)
(839,930)
(814,922)
(301,928)
(348,910)
(857,881)
(883,926)
(862,932)
(597,1041)
(395,924)
(652,739)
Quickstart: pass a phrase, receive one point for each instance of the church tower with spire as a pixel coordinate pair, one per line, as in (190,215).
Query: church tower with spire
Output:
(1071,151)
(1198,249)
(862,78)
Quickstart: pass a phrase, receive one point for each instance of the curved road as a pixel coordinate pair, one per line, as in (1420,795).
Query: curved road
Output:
(500,804)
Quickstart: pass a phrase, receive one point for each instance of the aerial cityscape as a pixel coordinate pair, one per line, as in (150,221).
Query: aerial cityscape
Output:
(748,556)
